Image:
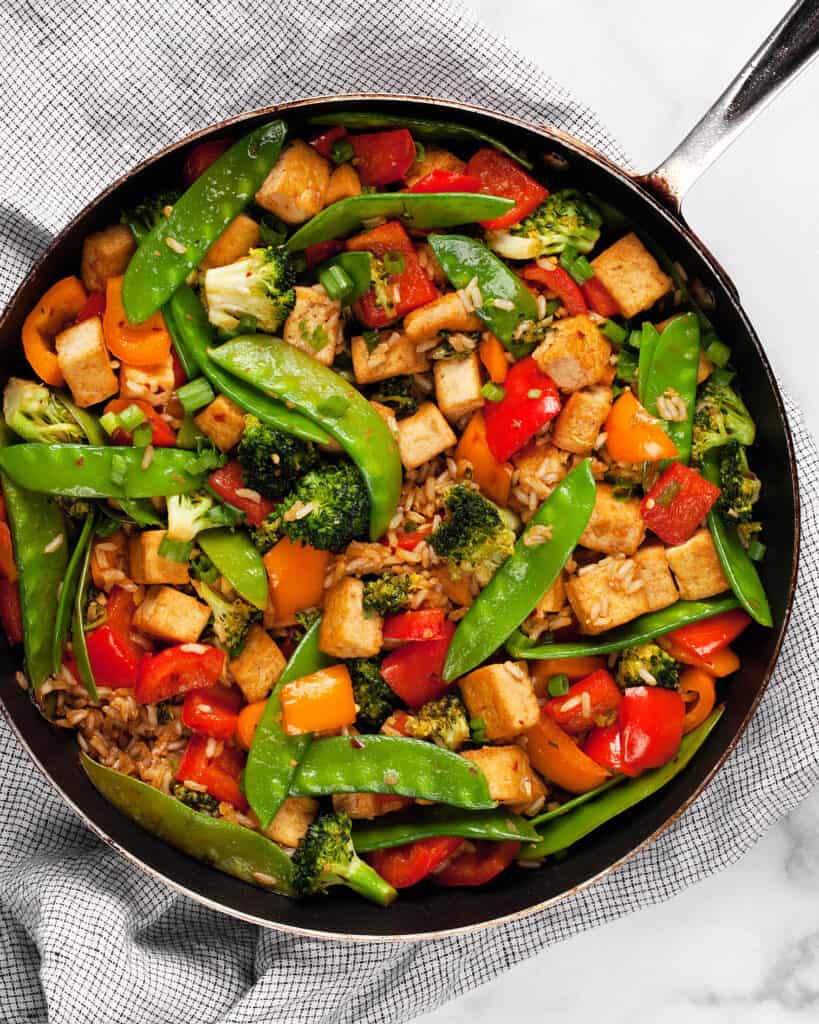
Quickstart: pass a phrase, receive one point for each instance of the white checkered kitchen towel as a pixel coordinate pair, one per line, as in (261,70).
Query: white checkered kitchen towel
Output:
(88,90)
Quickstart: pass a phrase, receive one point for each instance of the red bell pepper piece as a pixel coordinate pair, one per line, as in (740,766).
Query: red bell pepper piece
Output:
(162,434)
(323,143)
(604,745)
(229,479)
(212,711)
(177,670)
(709,636)
(589,702)
(11,615)
(179,375)
(531,400)
(424,624)
(415,670)
(677,503)
(561,284)
(201,157)
(440,180)
(410,541)
(321,251)
(599,298)
(115,658)
(8,567)
(220,776)
(478,866)
(407,865)
(383,157)
(94,306)
(647,733)
(499,175)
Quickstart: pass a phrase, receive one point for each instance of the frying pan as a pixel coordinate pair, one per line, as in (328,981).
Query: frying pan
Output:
(652,202)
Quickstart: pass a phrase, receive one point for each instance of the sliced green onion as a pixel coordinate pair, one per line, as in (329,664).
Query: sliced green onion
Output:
(493,392)
(723,375)
(342,151)
(756,550)
(130,418)
(143,436)
(187,434)
(109,422)
(568,256)
(614,332)
(175,550)
(635,338)
(534,393)
(581,270)
(394,262)
(559,685)
(195,395)
(337,283)
(119,467)
(719,353)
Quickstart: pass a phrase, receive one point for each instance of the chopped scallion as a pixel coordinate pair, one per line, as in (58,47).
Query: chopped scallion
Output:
(534,393)
(143,436)
(559,685)
(342,151)
(394,262)
(194,395)
(493,392)
(719,353)
(175,550)
(130,418)
(756,550)
(337,283)
(615,332)
(109,422)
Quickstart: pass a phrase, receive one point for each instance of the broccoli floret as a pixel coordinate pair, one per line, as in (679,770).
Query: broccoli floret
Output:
(37,414)
(194,799)
(748,532)
(232,617)
(144,217)
(739,485)
(339,507)
(443,721)
(720,417)
(326,857)
(375,699)
(258,287)
(390,593)
(649,658)
(271,460)
(188,515)
(268,533)
(398,394)
(566,218)
(201,568)
(474,538)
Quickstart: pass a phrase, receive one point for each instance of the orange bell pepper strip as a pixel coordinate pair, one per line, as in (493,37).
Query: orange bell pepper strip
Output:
(8,567)
(248,721)
(575,668)
(558,758)
(720,664)
(494,478)
(318,702)
(634,435)
(493,356)
(699,695)
(55,311)
(295,573)
(144,344)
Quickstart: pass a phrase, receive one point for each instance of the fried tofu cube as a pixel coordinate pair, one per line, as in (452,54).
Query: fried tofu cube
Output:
(616,526)
(314,324)
(106,254)
(578,425)
(658,583)
(346,630)
(507,770)
(429,261)
(295,188)
(344,182)
(697,567)
(147,565)
(257,668)
(170,615)
(446,313)
(388,416)
(292,820)
(395,355)
(369,805)
(538,798)
(503,696)
(109,561)
(223,422)
(607,595)
(554,598)
(423,436)
(83,361)
(541,464)
(575,353)
(435,158)
(631,275)
(238,238)
(458,386)
(151,384)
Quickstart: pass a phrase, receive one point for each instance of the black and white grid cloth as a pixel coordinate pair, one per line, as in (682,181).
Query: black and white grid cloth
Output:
(88,90)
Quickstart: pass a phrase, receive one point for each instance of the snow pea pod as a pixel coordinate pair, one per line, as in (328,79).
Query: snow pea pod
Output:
(570,828)
(646,627)
(274,756)
(525,576)
(239,561)
(78,645)
(390,764)
(674,366)
(171,250)
(416,209)
(196,336)
(183,353)
(282,371)
(68,590)
(497,825)
(575,802)
(234,849)
(421,128)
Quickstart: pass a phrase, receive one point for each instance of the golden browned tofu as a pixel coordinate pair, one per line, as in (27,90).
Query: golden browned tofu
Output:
(502,695)
(423,436)
(292,820)
(541,462)
(554,598)
(170,615)
(446,313)
(658,583)
(146,563)
(83,361)
(388,416)
(575,353)
(429,261)
(539,793)
(616,526)
(369,805)
(151,384)
(314,324)
(223,422)
(295,189)
(344,182)
(346,630)
(238,238)
(393,356)
(258,666)
(631,275)
(109,561)
(697,567)
(507,770)
(458,386)
(606,595)
(435,158)
(106,254)
(581,419)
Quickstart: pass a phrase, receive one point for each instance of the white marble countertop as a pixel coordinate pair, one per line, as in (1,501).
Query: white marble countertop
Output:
(744,945)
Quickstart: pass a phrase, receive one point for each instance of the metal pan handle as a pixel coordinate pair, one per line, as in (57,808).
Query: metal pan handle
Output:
(787,51)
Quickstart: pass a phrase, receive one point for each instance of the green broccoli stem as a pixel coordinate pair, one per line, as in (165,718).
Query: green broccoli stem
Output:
(366,881)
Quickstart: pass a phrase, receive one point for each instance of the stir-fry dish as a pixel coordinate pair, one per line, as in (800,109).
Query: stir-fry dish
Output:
(378,509)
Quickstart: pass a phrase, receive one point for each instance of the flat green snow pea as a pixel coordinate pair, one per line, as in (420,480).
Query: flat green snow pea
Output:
(649,339)
(390,764)
(239,561)
(564,831)
(739,570)
(674,366)
(464,259)
(173,248)
(575,802)
(189,364)
(395,830)
(196,337)
(646,627)
(525,576)
(86,471)
(282,371)
(234,849)
(65,604)
(421,128)
(78,645)
(416,209)
(274,756)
